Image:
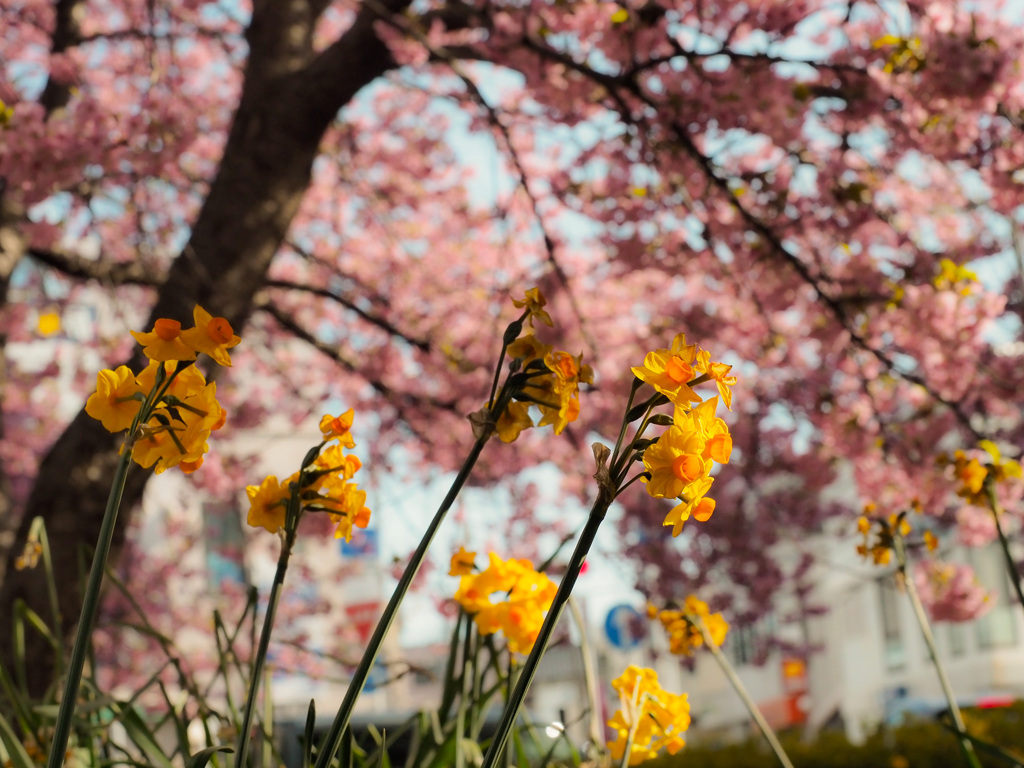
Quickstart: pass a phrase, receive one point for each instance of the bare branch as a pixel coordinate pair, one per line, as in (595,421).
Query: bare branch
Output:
(399,400)
(421,344)
(615,84)
(109,272)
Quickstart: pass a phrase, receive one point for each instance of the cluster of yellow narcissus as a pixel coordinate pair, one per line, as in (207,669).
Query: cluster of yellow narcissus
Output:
(684,626)
(886,530)
(322,487)
(554,383)
(972,474)
(184,409)
(656,718)
(520,614)
(680,462)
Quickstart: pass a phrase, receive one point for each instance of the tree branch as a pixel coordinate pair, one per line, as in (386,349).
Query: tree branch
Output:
(420,344)
(103,271)
(397,399)
(613,83)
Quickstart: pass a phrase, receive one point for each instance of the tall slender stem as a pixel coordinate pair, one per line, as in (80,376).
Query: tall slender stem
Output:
(508,717)
(589,673)
(332,740)
(737,684)
(256,673)
(929,640)
(1004,542)
(90,605)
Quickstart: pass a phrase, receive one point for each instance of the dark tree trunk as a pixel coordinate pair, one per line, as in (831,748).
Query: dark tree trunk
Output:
(290,96)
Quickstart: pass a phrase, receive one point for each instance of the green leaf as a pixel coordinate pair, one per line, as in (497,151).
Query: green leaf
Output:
(446,754)
(383,760)
(984,746)
(637,411)
(522,759)
(311,455)
(143,738)
(347,757)
(180,729)
(15,749)
(308,735)
(19,703)
(202,757)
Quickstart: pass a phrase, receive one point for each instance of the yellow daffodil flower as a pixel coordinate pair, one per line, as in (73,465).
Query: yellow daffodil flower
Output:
(675,461)
(534,303)
(164,342)
(337,428)
(719,373)
(462,563)
(213,336)
(521,614)
(670,371)
(656,718)
(267,503)
(114,403)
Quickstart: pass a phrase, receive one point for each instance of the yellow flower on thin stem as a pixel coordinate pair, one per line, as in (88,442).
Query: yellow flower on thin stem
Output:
(521,614)
(970,473)
(1000,469)
(675,461)
(693,503)
(337,428)
(462,563)
(718,441)
(649,718)
(114,403)
(267,504)
(176,432)
(670,371)
(213,336)
(333,459)
(527,348)
(534,303)
(350,503)
(683,626)
(164,342)
(512,422)
(719,373)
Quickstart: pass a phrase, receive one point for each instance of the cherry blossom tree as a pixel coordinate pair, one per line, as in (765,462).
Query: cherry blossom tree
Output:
(824,194)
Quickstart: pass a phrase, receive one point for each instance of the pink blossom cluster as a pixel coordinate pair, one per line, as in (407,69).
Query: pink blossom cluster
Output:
(780,180)
(951,592)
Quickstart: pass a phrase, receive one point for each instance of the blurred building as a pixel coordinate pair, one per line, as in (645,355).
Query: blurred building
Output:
(871,665)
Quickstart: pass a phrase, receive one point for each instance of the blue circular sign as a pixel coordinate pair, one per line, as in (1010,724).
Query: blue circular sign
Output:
(625,627)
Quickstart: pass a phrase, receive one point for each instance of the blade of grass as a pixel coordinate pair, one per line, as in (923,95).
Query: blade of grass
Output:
(143,738)
(16,751)
(202,757)
(308,734)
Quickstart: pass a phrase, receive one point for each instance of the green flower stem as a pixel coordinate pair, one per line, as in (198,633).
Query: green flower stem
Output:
(90,606)
(1011,565)
(589,674)
(256,673)
(508,717)
(922,619)
(332,740)
(637,383)
(627,751)
(737,684)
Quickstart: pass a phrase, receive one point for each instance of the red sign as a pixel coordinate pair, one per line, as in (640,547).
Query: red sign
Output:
(363,616)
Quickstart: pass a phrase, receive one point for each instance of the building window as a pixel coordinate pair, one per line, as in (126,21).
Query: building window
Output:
(998,627)
(749,643)
(892,638)
(957,639)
